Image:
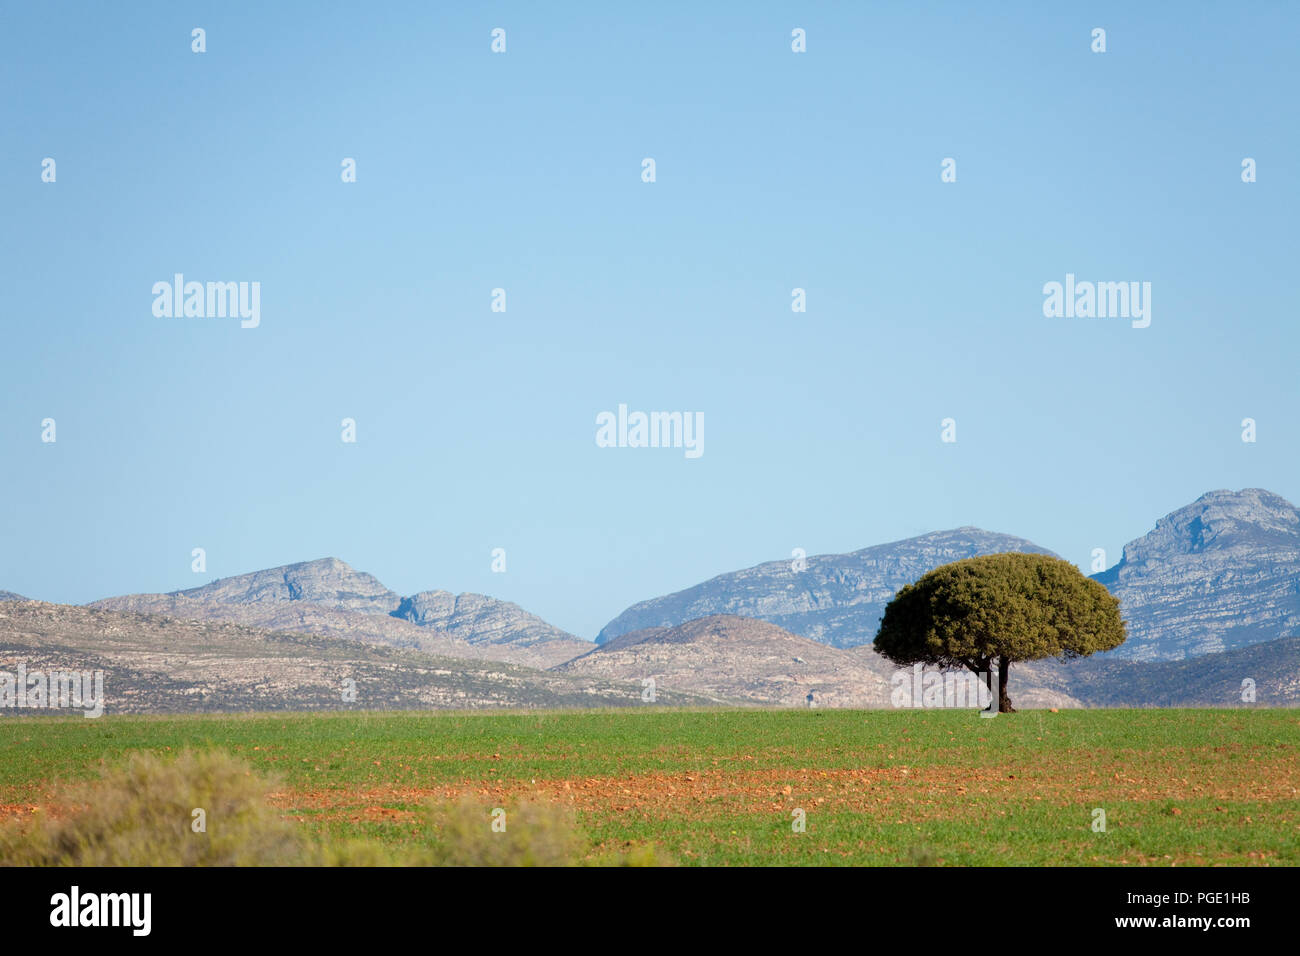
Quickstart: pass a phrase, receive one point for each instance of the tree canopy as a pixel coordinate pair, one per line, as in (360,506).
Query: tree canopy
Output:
(997,609)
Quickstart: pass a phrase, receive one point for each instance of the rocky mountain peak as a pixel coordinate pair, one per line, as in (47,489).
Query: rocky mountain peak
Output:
(477,618)
(1219,573)
(1219,520)
(326,581)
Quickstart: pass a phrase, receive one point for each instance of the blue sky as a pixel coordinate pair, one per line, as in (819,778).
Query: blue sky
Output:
(522,171)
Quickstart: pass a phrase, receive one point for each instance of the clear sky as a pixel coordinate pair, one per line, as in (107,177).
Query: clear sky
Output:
(523,171)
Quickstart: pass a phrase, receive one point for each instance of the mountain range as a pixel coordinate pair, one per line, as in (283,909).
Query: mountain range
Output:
(152,663)
(1220,573)
(1211,596)
(328,597)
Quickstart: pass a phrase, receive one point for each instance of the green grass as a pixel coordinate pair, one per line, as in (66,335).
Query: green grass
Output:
(879,787)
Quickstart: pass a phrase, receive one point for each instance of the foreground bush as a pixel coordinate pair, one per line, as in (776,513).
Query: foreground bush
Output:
(143,814)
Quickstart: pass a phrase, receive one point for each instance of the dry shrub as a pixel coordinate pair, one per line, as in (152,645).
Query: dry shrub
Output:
(141,814)
(535,834)
(361,852)
(639,854)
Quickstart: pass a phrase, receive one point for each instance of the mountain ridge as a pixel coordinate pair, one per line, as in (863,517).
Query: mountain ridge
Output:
(837,599)
(1218,573)
(329,597)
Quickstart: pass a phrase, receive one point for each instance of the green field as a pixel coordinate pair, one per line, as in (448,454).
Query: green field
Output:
(1184,787)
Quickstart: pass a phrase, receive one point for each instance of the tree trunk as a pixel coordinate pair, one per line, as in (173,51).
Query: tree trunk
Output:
(1004,700)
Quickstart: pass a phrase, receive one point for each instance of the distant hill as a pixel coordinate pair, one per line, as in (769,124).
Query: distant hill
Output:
(10,596)
(1220,573)
(156,664)
(305,618)
(838,599)
(1209,680)
(725,656)
(328,597)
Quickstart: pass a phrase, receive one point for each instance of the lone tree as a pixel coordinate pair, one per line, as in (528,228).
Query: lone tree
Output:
(997,609)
